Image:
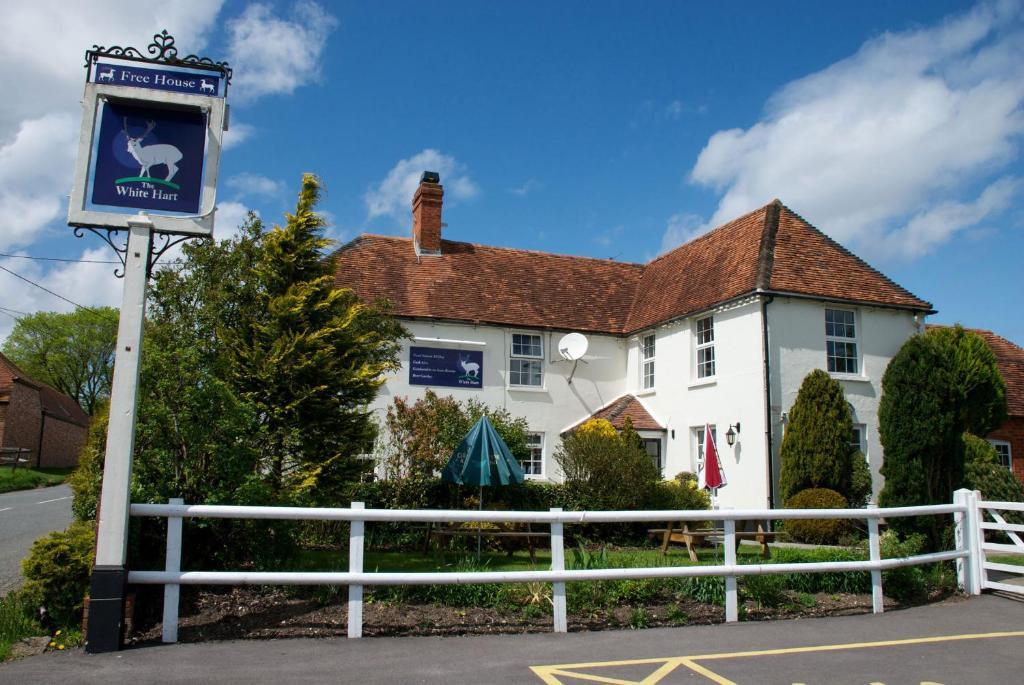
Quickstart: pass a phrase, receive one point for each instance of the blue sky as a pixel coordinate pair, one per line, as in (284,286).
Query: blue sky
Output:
(601,129)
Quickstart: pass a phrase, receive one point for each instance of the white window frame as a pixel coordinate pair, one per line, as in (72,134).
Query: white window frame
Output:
(648,362)
(843,339)
(699,347)
(536,455)
(521,357)
(997,444)
(697,444)
(644,439)
(862,445)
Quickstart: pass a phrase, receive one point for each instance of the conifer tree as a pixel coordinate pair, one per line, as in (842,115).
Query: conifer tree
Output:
(312,361)
(816,450)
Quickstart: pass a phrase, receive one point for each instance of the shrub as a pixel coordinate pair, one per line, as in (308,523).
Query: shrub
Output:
(817,531)
(605,468)
(57,571)
(937,387)
(906,584)
(816,451)
(860,484)
(984,473)
(766,590)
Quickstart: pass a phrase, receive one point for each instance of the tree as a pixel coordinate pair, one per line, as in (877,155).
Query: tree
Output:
(311,359)
(73,352)
(423,435)
(938,386)
(816,451)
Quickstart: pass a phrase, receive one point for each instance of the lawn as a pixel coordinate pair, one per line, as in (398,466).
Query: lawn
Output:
(26,479)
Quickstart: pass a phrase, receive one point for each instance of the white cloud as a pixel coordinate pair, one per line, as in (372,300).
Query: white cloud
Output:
(273,55)
(876,147)
(85,284)
(238,134)
(526,188)
(230,216)
(35,174)
(254,184)
(681,228)
(394,194)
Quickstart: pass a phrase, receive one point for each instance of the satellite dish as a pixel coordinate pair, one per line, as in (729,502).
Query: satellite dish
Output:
(573,346)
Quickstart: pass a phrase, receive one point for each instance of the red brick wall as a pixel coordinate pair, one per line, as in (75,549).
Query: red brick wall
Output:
(21,424)
(1013,432)
(62,443)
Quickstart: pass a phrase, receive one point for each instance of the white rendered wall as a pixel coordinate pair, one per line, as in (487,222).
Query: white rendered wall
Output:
(797,346)
(548,410)
(680,401)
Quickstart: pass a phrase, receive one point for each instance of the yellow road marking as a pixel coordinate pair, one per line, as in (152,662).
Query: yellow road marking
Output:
(668,664)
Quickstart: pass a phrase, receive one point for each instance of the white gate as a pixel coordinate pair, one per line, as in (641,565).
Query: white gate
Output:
(999,537)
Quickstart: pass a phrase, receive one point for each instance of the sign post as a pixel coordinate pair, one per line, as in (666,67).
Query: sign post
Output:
(148,157)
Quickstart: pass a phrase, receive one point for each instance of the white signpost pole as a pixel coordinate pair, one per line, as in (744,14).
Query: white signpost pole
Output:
(106,599)
(173,95)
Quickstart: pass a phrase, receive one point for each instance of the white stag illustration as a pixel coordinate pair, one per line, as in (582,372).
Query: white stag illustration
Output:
(106,75)
(152,155)
(204,86)
(471,368)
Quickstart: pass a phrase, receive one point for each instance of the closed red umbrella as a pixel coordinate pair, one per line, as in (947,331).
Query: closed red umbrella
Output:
(712,476)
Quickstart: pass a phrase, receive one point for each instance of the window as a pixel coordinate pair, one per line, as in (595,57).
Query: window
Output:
(840,341)
(647,365)
(705,347)
(653,448)
(698,442)
(526,366)
(857,439)
(1003,451)
(534,465)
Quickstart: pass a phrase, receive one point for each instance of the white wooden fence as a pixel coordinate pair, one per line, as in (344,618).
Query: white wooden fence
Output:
(965,510)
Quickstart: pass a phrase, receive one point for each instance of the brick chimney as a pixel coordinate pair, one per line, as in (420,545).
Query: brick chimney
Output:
(426,214)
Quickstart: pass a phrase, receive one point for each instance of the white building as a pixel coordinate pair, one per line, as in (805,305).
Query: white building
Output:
(720,331)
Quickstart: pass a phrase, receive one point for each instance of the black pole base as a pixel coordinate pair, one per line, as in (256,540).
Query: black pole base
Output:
(105,629)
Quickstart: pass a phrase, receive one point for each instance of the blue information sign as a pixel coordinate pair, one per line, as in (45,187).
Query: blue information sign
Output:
(157,79)
(149,158)
(449,368)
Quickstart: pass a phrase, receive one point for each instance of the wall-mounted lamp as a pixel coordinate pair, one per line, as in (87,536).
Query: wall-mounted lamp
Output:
(730,435)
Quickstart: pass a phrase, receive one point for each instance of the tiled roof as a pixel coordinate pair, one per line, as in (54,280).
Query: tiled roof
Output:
(1010,358)
(53,401)
(618,410)
(771,249)
(483,284)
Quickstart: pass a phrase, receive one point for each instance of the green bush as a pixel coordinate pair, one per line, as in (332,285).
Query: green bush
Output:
(57,571)
(984,473)
(906,584)
(766,590)
(816,451)
(860,484)
(817,531)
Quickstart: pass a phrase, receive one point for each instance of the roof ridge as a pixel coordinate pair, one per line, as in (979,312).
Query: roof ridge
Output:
(501,249)
(766,255)
(848,253)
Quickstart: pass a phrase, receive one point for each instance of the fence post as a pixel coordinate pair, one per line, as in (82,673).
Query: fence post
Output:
(875,550)
(558,564)
(731,600)
(172,564)
(968,569)
(355,565)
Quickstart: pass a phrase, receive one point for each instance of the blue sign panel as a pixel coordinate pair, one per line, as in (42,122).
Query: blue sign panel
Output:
(149,158)
(450,368)
(157,79)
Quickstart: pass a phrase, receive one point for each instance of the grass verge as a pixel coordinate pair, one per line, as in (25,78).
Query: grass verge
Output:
(16,622)
(26,479)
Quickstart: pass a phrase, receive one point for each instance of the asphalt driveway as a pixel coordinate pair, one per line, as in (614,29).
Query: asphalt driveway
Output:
(957,642)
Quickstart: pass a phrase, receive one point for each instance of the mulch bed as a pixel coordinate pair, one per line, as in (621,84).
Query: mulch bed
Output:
(249,613)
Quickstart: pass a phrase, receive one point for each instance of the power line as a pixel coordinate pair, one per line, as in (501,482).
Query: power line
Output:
(31,282)
(15,311)
(59,259)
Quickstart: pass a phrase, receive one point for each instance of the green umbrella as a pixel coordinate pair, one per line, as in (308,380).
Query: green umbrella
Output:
(482,458)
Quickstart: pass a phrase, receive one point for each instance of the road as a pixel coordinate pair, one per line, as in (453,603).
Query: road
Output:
(25,515)
(959,642)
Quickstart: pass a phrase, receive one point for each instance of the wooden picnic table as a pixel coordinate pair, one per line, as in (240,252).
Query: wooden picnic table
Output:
(502,532)
(697,538)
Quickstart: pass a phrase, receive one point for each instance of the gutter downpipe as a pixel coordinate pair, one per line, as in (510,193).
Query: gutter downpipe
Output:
(765,301)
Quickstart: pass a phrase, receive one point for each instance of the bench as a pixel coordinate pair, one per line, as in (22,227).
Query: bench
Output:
(697,538)
(452,532)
